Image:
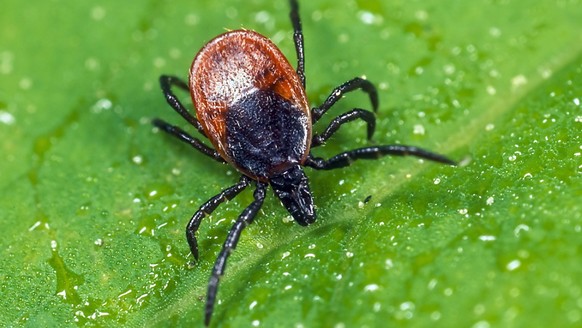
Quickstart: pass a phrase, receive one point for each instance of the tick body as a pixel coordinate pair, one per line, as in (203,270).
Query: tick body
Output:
(251,105)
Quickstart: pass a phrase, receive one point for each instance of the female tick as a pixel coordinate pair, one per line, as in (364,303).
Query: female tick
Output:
(251,105)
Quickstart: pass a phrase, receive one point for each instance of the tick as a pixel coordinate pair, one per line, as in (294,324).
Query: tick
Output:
(251,105)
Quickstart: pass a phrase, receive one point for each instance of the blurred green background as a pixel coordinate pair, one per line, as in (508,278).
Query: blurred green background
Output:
(93,202)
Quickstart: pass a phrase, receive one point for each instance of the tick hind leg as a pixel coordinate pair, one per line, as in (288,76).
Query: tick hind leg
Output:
(347,158)
(337,94)
(207,209)
(352,115)
(298,40)
(185,137)
(246,217)
(166,82)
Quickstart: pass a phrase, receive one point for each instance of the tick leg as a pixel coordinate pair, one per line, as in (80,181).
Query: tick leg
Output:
(166,82)
(184,136)
(246,217)
(346,159)
(208,208)
(352,115)
(337,94)
(298,39)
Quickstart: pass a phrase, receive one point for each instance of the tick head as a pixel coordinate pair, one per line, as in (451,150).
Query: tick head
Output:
(292,188)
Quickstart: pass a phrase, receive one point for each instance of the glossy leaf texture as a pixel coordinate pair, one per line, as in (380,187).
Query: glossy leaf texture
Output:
(94,201)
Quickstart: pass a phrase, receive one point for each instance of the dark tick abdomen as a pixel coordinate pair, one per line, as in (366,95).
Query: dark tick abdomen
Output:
(265,133)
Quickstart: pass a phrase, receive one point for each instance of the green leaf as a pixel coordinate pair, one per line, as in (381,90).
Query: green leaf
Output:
(94,202)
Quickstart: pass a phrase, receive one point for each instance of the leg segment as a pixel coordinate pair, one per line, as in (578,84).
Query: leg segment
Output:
(208,208)
(184,136)
(246,217)
(352,115)
(298,38)
(337,94)
(166,82)
(346,159)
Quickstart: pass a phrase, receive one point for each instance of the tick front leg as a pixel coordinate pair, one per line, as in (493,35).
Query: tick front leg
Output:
(166,82)
(246,218)
(337,94)
(347,158)
(208,208)
(185,137)
(352,115)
